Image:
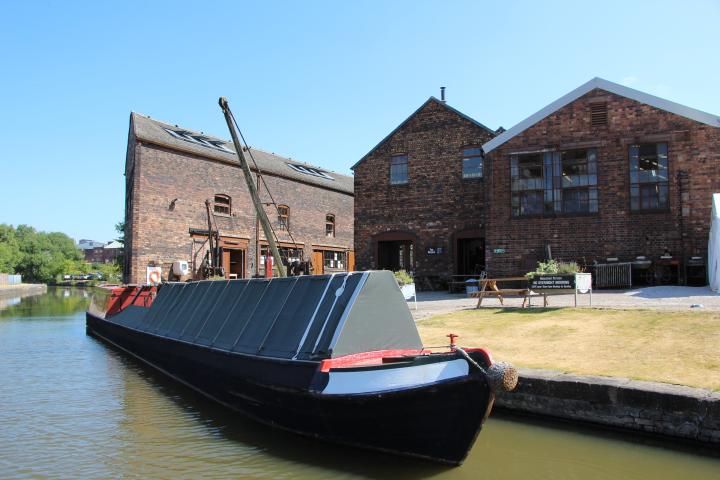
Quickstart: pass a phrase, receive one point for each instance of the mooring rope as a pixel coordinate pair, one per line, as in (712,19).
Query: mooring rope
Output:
(469,359)
(500,375)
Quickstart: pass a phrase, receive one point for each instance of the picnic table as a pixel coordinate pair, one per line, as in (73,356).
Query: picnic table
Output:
(489,287)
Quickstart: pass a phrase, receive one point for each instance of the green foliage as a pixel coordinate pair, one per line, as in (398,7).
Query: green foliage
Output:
(111,272)
(120,229)
(553,267)
(9,249)
(403,278)
(37,256)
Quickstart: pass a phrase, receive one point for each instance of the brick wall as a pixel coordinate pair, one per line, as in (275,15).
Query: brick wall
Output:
(614,231)
(436,203)
(158,234)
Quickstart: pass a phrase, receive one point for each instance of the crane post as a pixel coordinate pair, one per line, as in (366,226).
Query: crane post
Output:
(262,216)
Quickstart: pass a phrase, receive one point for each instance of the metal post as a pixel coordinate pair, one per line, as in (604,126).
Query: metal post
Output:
(262,216)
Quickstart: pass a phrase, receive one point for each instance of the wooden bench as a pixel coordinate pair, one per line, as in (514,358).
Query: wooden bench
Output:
(489,287)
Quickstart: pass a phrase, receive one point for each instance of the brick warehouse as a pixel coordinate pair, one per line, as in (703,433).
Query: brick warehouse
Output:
(605,171)
(170,172)
(411,214)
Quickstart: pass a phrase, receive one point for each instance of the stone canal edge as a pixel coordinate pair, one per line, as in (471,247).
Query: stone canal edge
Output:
(659,409)
(22,290)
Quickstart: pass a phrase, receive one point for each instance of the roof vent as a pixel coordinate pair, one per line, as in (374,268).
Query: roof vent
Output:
(598,114)
(442,94)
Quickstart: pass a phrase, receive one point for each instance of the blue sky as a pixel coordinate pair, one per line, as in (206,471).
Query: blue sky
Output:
(321,82)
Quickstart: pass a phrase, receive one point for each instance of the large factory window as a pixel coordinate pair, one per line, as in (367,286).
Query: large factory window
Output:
(649,176)
(550,183)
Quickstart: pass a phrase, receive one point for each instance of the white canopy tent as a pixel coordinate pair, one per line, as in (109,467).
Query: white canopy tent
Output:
(714,245)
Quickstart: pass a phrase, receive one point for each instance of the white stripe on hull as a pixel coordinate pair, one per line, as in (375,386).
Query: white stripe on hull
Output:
(392,378)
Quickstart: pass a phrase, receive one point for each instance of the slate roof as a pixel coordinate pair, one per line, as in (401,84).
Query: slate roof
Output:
(179,138)
(429,100)
(85,244)
(608,86)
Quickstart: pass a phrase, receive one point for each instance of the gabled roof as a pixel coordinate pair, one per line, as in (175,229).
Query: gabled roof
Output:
(429,100)
(178,138)
(623,91)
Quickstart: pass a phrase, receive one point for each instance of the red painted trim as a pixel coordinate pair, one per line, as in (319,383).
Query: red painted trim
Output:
(366,358)
(122,297)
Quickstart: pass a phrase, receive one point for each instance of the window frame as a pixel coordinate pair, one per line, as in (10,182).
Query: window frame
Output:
(222,204)
(639,184)
(550,186)
(468,156)
(330,221)
(407,169)
(283,218)
(335,263)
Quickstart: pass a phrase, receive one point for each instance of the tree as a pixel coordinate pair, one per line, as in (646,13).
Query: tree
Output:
(37,256)
(9,249)
(120,229)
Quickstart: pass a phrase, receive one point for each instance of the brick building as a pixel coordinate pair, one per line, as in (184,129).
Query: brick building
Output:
(420,195)
(96,252)
(170,173)
(605,171)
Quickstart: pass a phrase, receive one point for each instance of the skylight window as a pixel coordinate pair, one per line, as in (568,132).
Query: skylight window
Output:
(309,171)
(201,140)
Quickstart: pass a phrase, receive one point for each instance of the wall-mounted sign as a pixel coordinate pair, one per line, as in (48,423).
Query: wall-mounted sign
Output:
(434,250)
(498,250)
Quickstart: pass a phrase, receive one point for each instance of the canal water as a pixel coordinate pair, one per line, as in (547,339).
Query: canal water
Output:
(71,407)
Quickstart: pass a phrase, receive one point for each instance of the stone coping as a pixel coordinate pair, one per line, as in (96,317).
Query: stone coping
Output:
(678,411)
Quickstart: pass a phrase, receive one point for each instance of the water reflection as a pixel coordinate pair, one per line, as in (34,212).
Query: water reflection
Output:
(58,301)
(218,443)
(73,407)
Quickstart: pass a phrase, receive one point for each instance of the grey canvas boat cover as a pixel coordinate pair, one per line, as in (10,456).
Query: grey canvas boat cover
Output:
(304,318)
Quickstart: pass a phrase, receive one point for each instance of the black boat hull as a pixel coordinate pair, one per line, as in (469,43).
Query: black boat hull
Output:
(438,422)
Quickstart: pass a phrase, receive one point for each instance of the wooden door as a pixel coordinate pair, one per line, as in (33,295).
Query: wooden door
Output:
(233,262)
(317,262)
(351,261)
(226,262)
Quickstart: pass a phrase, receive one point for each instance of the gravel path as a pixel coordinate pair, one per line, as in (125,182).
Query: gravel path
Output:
(661,298)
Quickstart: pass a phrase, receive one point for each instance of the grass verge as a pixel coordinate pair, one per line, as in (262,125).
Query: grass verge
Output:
(679,347)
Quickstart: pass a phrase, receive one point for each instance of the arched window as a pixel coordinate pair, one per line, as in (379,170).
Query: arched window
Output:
(283,217)
(330,225)
(222,204)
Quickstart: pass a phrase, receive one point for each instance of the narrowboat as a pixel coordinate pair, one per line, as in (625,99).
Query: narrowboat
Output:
(335,357)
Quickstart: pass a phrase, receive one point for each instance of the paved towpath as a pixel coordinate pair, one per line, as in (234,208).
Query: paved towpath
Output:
(661,298)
